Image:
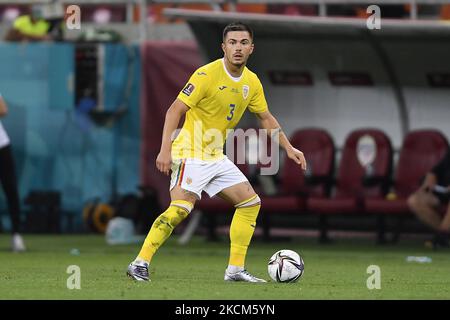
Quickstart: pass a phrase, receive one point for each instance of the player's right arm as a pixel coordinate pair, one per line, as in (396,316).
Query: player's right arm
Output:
(173,116)
(188,98)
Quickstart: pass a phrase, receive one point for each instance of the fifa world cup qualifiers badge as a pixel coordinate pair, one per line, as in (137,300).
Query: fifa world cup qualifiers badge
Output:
(188,89)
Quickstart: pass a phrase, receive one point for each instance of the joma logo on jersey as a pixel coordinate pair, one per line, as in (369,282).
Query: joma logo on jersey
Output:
(222,87)
(188,89)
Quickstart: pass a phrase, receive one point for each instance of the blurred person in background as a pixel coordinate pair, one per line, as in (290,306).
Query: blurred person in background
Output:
(9,182)
(44,23)
(432,200)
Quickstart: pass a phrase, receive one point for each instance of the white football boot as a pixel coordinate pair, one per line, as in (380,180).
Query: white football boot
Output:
(138,271)
(242,275)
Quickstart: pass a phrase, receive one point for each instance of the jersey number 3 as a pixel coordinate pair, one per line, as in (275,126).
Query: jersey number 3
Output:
(232,106)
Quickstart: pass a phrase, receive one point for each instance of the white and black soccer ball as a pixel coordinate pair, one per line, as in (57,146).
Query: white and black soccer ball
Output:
(286,266)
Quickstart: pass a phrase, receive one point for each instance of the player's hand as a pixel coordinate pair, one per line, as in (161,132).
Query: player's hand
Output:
(297,156)
(164,162)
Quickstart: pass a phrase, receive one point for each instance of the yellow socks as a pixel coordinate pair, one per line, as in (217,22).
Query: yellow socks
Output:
(242,228)
(163,227)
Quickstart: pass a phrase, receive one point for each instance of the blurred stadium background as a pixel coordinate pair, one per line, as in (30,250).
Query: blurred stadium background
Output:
(87,110)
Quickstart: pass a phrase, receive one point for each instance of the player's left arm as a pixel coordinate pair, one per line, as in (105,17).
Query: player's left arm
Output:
(268,122)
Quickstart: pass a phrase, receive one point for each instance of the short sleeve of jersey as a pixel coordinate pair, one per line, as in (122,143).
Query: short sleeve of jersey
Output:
(258,102)
(195,89)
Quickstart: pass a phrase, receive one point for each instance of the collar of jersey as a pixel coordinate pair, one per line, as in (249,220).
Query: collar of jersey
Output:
(235,79)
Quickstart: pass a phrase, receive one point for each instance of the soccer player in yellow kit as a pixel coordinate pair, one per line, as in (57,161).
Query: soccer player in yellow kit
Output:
(213,100)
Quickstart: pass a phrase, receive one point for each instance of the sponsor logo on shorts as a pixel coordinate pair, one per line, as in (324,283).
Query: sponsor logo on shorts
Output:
(188,89)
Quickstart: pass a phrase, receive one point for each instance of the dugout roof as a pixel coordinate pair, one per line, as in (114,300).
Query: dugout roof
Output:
(282,25)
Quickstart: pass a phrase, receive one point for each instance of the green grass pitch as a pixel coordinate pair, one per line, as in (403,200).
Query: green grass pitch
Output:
(195,271)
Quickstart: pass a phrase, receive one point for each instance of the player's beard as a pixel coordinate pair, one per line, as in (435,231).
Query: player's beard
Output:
(237,64)
(240,64)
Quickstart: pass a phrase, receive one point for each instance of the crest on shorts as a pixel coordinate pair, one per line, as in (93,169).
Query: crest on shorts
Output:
(189,180)
(245,90)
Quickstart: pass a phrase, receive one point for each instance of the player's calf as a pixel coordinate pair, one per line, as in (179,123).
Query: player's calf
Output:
(159,232)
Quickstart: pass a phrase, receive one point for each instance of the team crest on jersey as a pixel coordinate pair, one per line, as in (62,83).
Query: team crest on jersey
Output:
(188,89)
(245,90)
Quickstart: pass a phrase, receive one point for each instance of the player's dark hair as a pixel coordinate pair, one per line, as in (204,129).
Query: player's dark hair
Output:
(237,26)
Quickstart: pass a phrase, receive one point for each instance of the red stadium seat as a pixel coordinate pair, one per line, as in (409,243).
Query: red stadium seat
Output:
(420,151)
(351,188)
(318,148)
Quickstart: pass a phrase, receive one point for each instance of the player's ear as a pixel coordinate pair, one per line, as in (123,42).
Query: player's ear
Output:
(252,47)
(223,47)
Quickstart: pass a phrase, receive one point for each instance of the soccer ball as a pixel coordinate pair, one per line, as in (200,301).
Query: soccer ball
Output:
(286,266)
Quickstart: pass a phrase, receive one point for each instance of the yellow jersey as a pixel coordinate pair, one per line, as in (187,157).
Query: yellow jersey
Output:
(26,26)
(216,102)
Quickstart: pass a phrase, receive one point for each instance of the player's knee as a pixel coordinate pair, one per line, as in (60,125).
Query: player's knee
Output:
(180,209)
(177,212)
(249,209)
(254,201)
